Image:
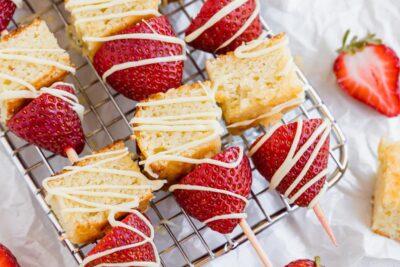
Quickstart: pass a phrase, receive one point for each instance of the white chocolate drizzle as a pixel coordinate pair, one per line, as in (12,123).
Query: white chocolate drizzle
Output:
(292,158)
(220,15)
(219,191)
(275,110)
(146,239)
(244,51)
(18,3)
(194,122)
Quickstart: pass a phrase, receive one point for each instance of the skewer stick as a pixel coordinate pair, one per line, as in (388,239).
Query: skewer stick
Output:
(321,217)
(253,240)
(72,155)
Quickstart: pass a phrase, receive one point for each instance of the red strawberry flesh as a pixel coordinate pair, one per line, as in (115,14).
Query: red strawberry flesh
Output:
(50,123)
(138,83)
(369,71)
(118,237)
(274,151)
(225,28)
(204,205)
(7,259)
(7,9)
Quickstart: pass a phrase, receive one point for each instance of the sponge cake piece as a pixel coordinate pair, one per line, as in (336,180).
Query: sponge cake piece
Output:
(255,84)
(188,116)
(102,18)
(386,209)
(36,37)
(109,171)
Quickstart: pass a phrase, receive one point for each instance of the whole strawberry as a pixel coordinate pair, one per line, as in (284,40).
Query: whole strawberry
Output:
(50,123)
(7,259)
(204,205)
(214,37)
(274,152)
(369,71)
(7,9)
(118,237)
(305,263)
(138,83)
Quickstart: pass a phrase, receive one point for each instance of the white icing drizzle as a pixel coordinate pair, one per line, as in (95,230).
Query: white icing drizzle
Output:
(71,192)
(263,139)
(202,121)
(292,158)
(220,15)
(71,99)
(244,51)
(219,191)
(144,12)
(146,239)
(87,6)
(273,111)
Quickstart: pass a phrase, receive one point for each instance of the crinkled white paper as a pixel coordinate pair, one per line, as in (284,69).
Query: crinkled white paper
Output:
(315,29)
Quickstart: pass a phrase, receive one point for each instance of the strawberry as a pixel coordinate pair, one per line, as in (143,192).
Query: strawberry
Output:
(274,151)
(7,259)
(204,205)
(369,71)
(118,237)
(7,9)
(222,31)
(138,83)
(305,263)
(49,122)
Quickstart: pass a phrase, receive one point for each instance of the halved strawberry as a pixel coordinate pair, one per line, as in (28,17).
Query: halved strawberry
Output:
(369,71)
(274,151)
(49,122)
(7,259)
(118,237)
(7,9)
(204,205)
(222,31)
(138,83)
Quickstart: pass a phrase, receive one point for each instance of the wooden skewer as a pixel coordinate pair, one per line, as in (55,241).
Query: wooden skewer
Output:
(72,155)
(324,222)
(253,240)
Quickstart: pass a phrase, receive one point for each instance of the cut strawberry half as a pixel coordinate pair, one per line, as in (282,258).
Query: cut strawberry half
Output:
(7,259)
(50,123)
(139,82)
(7,9)
(203,204)
(218,37)
(369,71)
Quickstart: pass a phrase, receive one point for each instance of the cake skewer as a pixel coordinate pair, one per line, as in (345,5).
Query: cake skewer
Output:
(294,159)
(216,193)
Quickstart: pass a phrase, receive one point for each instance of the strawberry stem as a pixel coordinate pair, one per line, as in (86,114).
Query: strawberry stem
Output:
(356,44)
(318,261)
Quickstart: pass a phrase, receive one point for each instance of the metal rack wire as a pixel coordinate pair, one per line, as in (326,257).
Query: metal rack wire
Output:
(192,243)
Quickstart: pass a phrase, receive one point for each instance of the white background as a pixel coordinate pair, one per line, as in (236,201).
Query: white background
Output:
(315,29)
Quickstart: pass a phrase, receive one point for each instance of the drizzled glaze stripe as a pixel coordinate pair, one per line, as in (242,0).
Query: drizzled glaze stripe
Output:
(291,159)
(18,3)
(146,239)
(97,6)
(220,15)
(243,51)
(144,12)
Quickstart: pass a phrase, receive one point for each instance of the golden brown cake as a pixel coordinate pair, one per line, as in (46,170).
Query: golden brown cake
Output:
(386,207)
(256,84)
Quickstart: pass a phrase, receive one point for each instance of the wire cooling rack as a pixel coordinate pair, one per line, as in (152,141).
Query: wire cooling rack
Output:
(181,241)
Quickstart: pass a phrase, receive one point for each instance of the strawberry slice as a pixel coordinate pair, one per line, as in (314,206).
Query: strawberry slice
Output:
(222,31)
(138,83)
(369,71)
(204,205)
(7,9)
(274,151)
(49,122)
(118,237)
(7,259)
